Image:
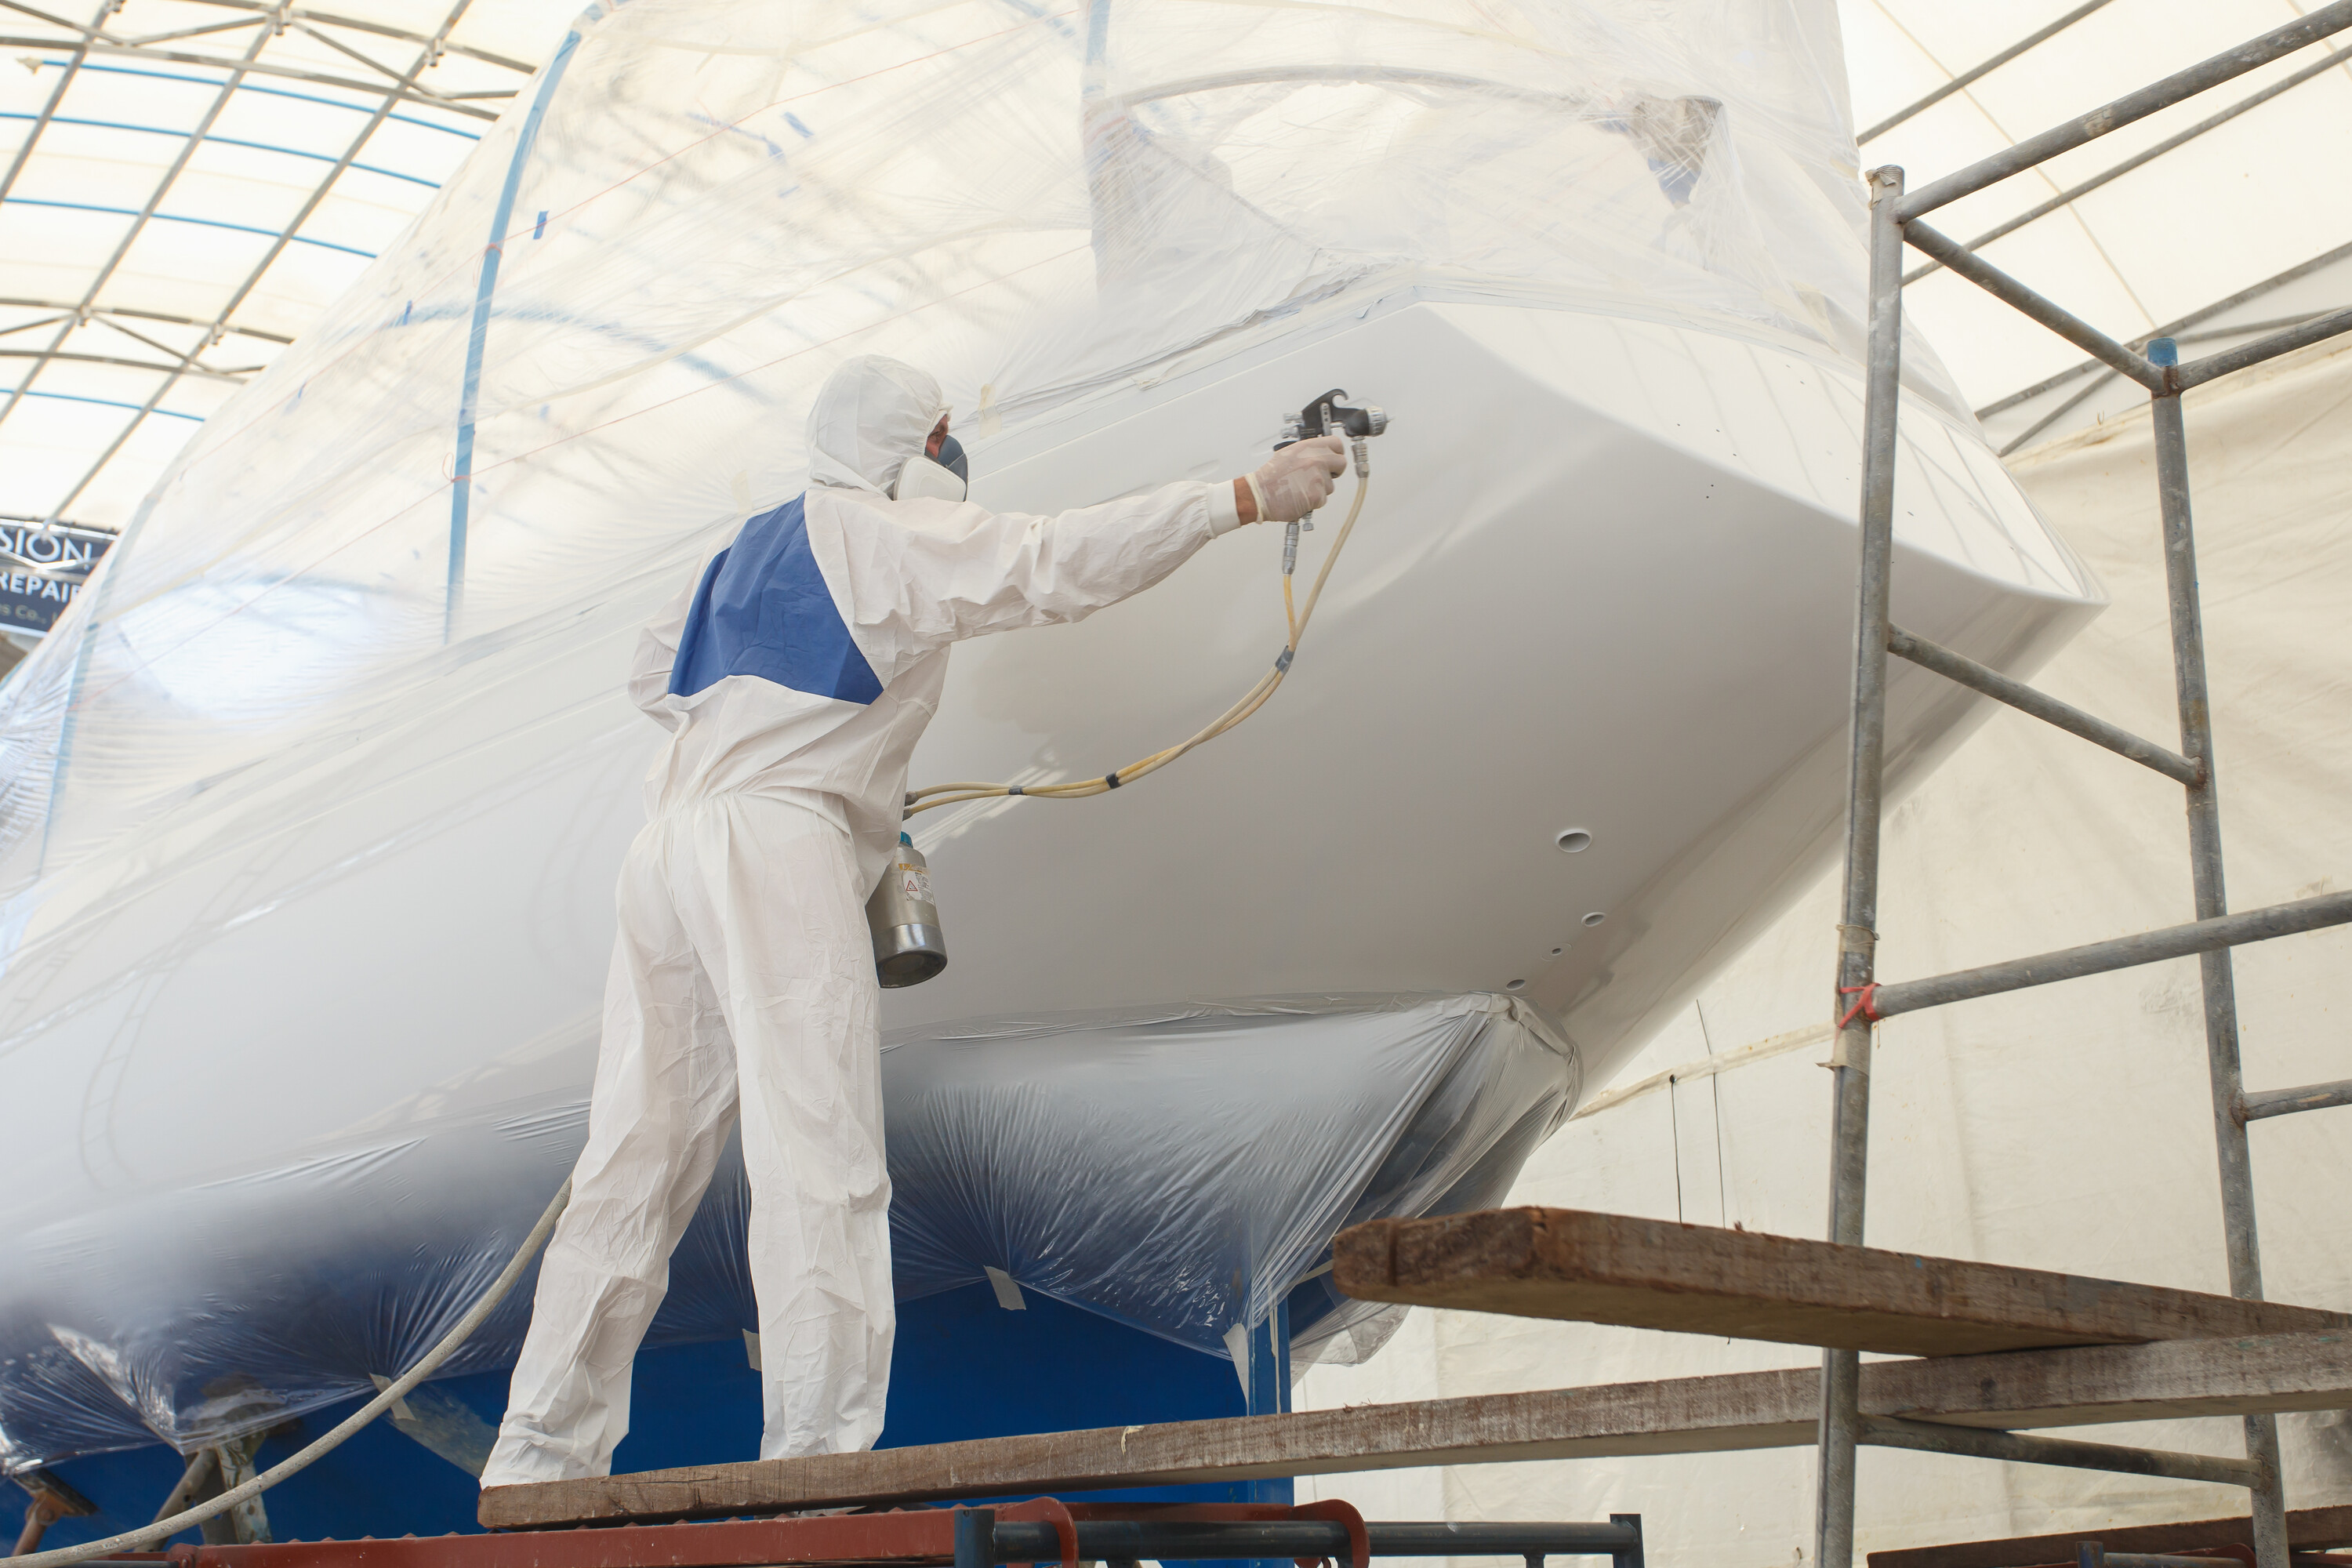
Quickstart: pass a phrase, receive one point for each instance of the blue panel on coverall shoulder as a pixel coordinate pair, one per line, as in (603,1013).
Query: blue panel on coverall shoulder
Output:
(763,609)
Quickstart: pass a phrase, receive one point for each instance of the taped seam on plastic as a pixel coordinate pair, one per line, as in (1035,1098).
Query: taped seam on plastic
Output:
(1011,1026)
(1531,1018)
(478,334)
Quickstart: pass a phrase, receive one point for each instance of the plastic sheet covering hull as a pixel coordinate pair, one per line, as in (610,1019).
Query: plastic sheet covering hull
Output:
(309,809)
(1172,1170)
(1080,1149)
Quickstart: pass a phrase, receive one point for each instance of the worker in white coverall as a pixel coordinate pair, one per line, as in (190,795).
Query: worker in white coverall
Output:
(795,676)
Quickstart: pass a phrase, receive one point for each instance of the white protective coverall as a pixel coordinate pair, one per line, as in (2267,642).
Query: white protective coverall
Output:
(795,676)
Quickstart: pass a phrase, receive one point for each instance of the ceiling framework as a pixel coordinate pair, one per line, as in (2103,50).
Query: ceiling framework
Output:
(2082,188)
(1983,68)
(2169,226)
(185,185)
(2187,329)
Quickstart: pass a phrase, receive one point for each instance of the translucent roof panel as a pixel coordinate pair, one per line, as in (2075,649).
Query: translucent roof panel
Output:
(185,185)
(2232,227)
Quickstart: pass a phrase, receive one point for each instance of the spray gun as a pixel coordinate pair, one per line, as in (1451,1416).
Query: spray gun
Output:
(904,916)
(1329,414)
(902,913)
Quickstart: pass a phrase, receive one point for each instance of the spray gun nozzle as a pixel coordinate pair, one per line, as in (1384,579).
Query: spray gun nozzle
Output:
(1333,415)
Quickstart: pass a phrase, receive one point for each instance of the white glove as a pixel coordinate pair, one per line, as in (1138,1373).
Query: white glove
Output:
(1297,479)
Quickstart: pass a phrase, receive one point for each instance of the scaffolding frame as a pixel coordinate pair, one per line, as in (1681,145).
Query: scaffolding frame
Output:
(1861,1001)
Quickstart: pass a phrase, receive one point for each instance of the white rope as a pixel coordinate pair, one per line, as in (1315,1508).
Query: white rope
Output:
(164,1529)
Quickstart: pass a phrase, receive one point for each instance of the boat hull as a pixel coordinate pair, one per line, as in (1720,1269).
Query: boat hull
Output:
(1601,582)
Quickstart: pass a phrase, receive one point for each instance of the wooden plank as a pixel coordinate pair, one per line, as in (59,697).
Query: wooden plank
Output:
(1679,1415)
(2307,1530)
(1655,1274)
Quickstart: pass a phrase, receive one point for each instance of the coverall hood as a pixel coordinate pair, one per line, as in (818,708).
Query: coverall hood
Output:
(871,415)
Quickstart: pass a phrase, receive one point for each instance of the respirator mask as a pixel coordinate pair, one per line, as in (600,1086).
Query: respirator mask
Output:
(946,476)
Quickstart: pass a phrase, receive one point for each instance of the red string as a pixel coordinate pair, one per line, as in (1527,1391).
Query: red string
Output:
(1866,1005)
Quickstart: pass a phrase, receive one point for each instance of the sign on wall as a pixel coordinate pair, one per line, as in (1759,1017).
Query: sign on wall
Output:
(31,600)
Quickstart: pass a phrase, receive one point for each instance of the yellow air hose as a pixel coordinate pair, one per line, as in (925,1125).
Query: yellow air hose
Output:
(933,795)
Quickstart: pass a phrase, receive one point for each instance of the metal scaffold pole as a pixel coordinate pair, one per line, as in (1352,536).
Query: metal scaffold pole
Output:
(2238,1226)
(1858,919)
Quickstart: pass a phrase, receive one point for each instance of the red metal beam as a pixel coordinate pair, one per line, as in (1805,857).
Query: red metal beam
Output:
(905,1537)
(910,1536)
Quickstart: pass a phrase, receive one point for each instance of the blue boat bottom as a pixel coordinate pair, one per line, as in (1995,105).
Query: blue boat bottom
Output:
(963,1367)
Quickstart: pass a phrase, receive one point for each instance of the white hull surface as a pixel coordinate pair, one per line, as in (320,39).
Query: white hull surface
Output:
(310,811)
(1603,581)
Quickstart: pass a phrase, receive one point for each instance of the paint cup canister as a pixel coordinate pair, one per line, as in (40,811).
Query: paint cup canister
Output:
(909,947)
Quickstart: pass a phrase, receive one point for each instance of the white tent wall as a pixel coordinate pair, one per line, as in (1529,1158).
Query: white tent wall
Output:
(2064,1128)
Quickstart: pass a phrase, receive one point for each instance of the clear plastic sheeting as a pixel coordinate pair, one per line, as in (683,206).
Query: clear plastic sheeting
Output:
(1172,1170)
(189,185)
(1267,1129)
(635,282)
(310,806)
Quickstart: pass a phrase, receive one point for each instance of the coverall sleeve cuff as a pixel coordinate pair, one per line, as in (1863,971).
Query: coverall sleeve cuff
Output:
(1223,517)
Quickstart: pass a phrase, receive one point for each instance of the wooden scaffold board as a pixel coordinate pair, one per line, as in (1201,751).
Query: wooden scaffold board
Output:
(1656,1274)
(1679,1415)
